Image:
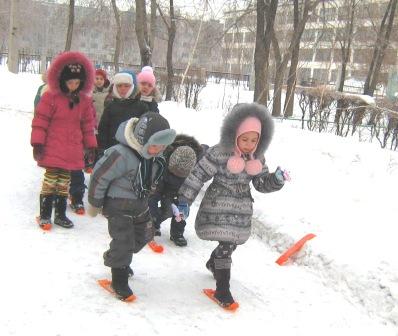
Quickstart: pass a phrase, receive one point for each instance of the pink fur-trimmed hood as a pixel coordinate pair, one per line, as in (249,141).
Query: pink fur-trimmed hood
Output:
(70,57)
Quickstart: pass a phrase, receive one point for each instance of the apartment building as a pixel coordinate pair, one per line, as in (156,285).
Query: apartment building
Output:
(320,50)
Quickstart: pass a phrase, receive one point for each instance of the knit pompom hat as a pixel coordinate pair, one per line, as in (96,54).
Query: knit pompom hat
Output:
(181,161)
(236,164)
(146,75)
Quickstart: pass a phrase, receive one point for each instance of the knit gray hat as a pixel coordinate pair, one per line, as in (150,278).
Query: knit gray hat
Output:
(181,161)
(153,129)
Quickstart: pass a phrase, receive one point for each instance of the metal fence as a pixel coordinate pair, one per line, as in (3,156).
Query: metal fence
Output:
(34,63)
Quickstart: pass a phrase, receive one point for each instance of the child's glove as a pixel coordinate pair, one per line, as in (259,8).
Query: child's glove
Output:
(282,175)
(93,211)
(90,155)
(184,209)
(38,152)
(181,211)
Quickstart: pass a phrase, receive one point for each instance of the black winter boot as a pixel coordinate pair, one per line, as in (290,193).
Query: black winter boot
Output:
(210,265)
(60,209)
(120,283)
(222,294)
(177,232)
(46,209)
(76,203)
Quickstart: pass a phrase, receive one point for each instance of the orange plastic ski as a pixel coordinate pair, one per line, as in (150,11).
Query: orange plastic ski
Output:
(155,247)
(210,293)
(106,284)
(294,249)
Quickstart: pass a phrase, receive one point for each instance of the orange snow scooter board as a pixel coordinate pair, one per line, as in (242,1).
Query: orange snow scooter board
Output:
(44,227)
(155,247)
(106,284)
(210,294)
(294,249)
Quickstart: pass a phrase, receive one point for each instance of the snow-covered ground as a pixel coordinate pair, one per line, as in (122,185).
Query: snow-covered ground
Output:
(345,281)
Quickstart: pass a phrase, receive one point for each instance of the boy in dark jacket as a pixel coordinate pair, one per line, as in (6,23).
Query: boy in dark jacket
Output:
(120,185)
(181,156)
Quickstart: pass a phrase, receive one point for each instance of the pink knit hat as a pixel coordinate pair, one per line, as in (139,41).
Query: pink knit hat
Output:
(146,75)
(236,164)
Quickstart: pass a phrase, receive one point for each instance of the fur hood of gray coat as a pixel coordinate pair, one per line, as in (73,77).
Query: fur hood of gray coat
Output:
(236,116)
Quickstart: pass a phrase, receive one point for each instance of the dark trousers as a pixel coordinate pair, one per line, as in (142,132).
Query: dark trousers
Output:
(159,213)
(77,186)
(130,228)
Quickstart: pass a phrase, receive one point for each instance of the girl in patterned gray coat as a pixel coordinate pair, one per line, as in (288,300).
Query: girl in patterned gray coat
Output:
(226,209)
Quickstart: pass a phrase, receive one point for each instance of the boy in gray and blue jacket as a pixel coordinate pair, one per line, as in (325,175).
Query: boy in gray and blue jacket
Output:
(120,184)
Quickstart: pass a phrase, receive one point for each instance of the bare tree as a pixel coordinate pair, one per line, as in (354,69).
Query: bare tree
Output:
(69,34)
(13,54)
(118,36)
(383,37)
(344,38)
(266,12)
(141,30)
(281,61)
(171,30)
(153,25)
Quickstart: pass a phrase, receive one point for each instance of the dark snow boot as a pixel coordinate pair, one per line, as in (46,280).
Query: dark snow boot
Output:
(46,209)
(222,293)
(177,232)
(120,283)
(76,203)
(210,265)
(60,209)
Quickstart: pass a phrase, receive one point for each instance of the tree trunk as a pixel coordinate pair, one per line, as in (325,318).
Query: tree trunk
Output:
(292,77)
(13,54)
(69,34)
(141,30)
(291,83)
(153,26)
(382,41)
(259,56)
(169,59)
(118,36)
(346,45)
(262,48)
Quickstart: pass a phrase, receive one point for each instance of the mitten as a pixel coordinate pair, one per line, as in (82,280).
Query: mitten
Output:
(184,209)
(38,152)
(93,211)
(90,155)
(282,175)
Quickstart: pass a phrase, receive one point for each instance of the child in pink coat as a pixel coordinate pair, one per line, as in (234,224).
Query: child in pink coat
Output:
(62,128)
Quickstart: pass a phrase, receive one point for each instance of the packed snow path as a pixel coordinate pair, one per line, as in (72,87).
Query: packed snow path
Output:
(49,279)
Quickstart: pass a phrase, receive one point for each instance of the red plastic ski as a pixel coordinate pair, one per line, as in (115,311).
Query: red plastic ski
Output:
(210,294)
(106,284)
(44,227)
(155,247)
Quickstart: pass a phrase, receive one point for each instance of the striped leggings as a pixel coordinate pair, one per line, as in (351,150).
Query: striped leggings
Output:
(56,182)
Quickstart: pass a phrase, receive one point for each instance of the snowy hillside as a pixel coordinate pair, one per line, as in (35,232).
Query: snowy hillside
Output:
(344,282)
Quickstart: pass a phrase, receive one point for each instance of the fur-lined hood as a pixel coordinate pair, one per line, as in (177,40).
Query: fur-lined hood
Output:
(126,137)
(63,59)
(184,140)
(236,116)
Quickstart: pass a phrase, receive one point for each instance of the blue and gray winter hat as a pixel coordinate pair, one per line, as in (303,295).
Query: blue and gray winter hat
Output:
(153,129)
